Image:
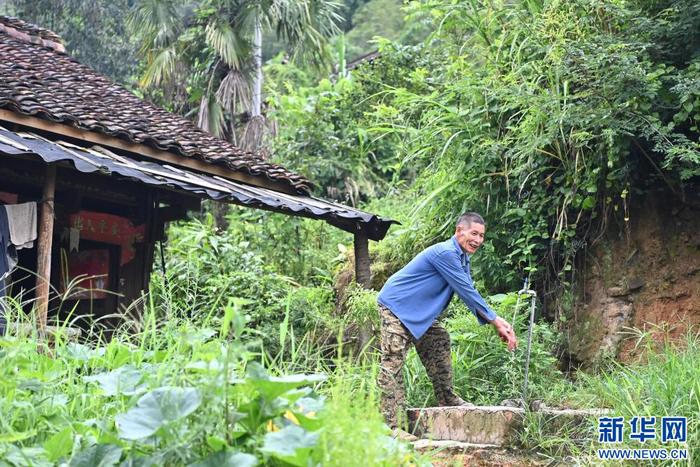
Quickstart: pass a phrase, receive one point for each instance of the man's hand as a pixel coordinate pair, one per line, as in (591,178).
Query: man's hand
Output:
(506,333)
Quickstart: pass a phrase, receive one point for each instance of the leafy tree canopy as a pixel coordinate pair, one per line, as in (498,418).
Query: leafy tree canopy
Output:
(549,117)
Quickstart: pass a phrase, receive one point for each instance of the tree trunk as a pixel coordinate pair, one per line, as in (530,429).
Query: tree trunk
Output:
(256,111)
(342,65)
(362,262)
(253,136)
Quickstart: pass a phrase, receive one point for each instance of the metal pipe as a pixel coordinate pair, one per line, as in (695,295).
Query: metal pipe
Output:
(533,295)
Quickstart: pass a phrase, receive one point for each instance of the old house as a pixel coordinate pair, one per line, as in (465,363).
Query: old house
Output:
(104,171)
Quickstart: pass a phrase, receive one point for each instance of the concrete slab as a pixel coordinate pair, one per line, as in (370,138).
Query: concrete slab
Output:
(493,425)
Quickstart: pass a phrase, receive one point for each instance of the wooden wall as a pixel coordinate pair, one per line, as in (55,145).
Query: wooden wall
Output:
(76,192)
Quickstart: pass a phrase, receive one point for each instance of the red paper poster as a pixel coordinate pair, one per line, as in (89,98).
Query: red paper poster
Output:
(108,228)
(8,198)
(91,268)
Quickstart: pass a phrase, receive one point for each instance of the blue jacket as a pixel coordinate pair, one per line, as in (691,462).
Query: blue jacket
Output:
(419,292)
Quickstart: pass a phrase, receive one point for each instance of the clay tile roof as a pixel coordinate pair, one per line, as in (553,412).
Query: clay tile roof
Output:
(39,79)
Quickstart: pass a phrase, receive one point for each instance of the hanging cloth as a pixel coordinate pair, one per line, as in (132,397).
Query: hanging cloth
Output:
(22,223)
(4,264)
(73,239)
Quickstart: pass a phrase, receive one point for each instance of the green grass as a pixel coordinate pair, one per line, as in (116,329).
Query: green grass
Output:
(181,392)
(663,383)
(485,373)
(355,434)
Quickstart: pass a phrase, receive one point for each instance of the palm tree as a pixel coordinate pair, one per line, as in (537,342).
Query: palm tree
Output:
(205,58)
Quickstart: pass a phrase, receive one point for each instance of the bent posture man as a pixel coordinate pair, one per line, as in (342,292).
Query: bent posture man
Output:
(410,303)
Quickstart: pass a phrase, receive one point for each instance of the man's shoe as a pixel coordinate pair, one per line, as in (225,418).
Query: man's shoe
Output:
(454,401)
(398,433)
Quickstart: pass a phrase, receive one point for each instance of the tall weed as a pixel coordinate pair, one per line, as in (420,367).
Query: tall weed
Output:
(485,373)
(179,391)
(664,384)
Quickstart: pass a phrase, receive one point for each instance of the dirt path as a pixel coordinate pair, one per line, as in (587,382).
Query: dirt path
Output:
(444,454)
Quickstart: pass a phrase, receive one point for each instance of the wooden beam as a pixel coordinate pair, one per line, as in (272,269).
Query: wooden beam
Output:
(44,241)
(151,212)
(143,150)
(362,261)
(171,213)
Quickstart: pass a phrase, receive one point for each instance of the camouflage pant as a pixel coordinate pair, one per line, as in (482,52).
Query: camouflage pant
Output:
(434,351)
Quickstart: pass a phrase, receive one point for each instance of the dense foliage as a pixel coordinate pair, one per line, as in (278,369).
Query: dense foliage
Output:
(204,58)
(326,130)
(549,117)
(205,267)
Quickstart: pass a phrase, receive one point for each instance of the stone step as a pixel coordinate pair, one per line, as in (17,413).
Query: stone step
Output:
(494,425)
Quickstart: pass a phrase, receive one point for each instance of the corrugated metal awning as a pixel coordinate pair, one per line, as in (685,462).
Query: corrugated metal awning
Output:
(97,159)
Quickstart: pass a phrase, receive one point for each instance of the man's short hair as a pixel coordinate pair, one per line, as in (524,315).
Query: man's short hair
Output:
(468,218)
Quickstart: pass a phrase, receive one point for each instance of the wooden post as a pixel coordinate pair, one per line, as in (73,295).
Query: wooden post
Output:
(362,277)
(362,268)
(149,238)
(45,238)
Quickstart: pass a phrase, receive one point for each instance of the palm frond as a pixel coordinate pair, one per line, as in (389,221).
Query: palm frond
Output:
(306,25)
(234,91)
(227,43)
(157,22)
(161,67)
(253,134)
(211,115)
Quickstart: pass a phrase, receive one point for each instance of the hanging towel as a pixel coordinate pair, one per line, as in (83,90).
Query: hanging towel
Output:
(22,221)
(73,239)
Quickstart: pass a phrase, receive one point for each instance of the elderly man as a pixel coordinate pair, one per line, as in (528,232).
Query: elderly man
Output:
(411,302)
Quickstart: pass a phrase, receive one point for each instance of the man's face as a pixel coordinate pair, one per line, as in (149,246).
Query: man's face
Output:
(470,237)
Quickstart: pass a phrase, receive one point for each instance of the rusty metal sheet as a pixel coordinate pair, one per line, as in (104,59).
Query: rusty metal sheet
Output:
(97,159)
